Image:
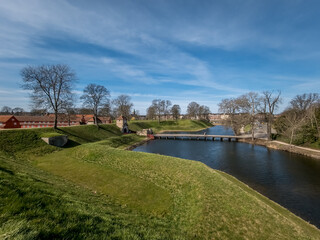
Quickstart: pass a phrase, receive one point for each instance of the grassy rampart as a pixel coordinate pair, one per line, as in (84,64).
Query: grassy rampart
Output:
(93,189)
(181,125)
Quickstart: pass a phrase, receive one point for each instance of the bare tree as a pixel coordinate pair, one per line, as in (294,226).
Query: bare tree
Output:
(84,111)
(106,109)
(95,97)
(312,114)
(293,120)
(167,110)
(6,110)
(69,109)
(304,101)
(237,111)
(307,104)
(159,107)
(18,110)
(38,112)
(176,111)
(271,101)
(250,104)
(204,112)
(51,85)
(193,110)
(229,107)
(151,113)
(123,106)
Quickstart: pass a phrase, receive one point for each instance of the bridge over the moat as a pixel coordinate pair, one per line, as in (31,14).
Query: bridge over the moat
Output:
(199,137)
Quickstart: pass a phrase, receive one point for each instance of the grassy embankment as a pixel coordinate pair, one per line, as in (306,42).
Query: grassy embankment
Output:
(181,125)
(93,189)
(313,145)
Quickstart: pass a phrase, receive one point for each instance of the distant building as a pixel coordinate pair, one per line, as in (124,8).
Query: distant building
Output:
(89,119)
(26,121)
(122,123)
(47,121)
(9,121)
(217,117)
(104,120)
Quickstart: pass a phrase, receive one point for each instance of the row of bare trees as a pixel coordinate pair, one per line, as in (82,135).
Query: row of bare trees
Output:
(5,110)
(197,111)
(244,110)
(165,108)
(300,122)
(52,88)
(160,108)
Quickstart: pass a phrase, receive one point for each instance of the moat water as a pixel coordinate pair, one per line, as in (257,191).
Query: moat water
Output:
(289,179)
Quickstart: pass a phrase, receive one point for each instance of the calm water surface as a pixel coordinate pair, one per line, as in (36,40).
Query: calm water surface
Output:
(289,179)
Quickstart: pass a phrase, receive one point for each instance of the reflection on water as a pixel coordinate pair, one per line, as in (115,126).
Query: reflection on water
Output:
(290,179)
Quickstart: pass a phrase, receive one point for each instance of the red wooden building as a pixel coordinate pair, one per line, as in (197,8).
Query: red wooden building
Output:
(9,121)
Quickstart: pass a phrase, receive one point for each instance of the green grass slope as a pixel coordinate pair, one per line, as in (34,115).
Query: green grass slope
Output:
(35,204)
(28,141)
(95,190)
(181,125)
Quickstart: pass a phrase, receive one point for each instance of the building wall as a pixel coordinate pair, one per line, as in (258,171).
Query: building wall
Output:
(45,121)
(119,123)
(11,123)
(41,124)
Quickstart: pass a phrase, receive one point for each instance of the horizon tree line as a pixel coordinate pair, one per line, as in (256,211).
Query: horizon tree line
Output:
(299,123)
(163,108)
(52,88)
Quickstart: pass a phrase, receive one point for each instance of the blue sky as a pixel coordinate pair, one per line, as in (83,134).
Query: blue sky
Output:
(183,51)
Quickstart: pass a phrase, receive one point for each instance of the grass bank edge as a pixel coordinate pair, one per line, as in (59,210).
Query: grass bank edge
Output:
(275,208)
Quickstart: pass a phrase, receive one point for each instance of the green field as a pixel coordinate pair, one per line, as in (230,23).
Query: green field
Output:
(181,125)
(93,189)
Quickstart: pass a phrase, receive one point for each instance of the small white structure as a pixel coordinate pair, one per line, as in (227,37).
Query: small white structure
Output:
(145,132)
(121,123)
(58,141)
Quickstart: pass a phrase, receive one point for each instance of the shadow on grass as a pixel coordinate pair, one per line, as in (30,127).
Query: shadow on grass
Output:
(74,135)
(71,144)
(6,170)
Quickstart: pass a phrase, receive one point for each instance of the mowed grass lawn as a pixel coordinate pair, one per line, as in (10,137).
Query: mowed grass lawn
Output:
(181,125)
(96,190)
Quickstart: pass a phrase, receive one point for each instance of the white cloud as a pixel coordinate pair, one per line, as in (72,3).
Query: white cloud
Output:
(152,34)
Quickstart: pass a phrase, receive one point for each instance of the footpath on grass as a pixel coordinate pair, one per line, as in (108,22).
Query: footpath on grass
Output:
(278,145)
(93,189)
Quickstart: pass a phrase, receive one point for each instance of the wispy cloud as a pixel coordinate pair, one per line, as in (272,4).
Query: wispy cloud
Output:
(165,49)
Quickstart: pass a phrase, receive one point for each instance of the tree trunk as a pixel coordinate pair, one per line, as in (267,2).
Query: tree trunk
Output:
(95,115)
(96,120)
(317,125)
(55,119)
(252,128)
(269,127)
(69,120)
(292,131)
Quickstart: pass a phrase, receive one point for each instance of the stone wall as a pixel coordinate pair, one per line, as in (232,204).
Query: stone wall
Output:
(145,132)
(58,141)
